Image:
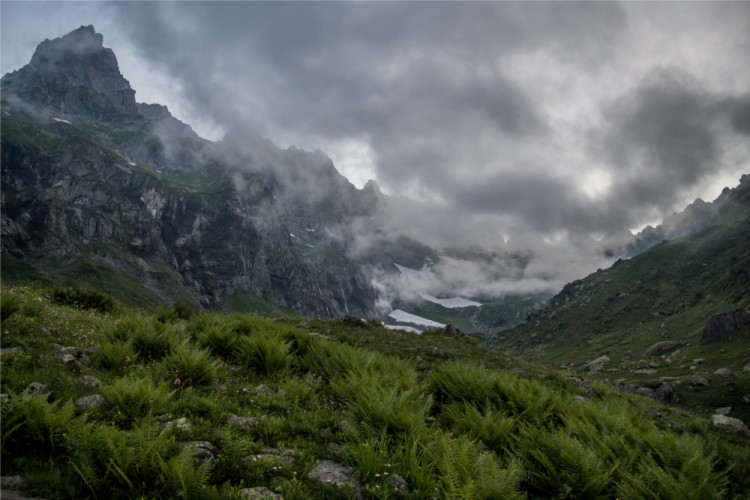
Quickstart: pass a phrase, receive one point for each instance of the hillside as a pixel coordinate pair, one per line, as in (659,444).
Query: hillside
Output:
(667,293)
(100,400)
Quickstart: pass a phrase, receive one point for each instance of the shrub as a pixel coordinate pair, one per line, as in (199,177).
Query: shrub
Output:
(114,356)
(180,310)
(192,365)
(9,305)
(31,421)
(559,465)
(493,428)
(266,354)
(153,341)
(133,398)
(219,338)
(467,470)
(383,407)
(84,299)
(130,326)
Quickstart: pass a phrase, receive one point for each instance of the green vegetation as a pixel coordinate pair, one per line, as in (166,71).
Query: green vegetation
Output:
(667,293)
(204,405)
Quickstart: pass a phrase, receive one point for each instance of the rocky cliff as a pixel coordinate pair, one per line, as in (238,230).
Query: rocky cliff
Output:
(95,185)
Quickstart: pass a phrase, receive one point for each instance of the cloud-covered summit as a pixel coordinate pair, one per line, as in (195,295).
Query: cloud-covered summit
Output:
(550,126)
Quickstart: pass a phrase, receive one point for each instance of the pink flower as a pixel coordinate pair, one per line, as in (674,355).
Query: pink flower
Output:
(177,382)
(58,430)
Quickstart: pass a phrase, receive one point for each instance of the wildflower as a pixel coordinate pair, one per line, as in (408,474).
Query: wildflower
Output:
(58,430)
(177,382)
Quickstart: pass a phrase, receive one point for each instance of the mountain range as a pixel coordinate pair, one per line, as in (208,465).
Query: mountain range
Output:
(117,195)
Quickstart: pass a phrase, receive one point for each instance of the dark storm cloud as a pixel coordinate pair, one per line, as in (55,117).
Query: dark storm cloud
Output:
(415,78)
(666,136)
(554,122)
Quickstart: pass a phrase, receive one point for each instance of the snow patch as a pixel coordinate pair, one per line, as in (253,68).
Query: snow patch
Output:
(309,230)
(6,113)
(131,163)
(311,246)
(62,121)
(405,317)
(452,303)
(402,328)
(293,236)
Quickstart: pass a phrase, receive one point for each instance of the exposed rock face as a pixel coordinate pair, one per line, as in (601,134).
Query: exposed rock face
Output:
(239,218)
(73,75)
(721,326)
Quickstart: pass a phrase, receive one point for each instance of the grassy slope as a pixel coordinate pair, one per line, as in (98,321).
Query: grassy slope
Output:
(450,417)
(666,293)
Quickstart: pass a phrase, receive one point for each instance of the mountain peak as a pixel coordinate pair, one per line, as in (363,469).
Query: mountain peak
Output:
(72,75)
(82,40)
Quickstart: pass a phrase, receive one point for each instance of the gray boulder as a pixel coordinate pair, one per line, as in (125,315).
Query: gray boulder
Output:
(646,392)
(721,326)
(180,424)
(341,476)
(698,381)
(729,424)
(89,402)
(665,393)
(203,451)
(662,347)
(259,493)
(723,372)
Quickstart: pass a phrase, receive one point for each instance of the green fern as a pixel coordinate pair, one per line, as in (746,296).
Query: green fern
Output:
(133,398)
(180,475)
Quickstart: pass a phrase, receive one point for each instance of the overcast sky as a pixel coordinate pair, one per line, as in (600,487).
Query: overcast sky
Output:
(554,121)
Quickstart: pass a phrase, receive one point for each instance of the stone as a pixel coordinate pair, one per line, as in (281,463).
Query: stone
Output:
(259,493)
(203,451)
(7,482)
(399,485)
(70,354)
(746,368)
(729,424)
(244,422)
(9,352)
(35,388)
(271,458)
(581,383)
(721,326)
(601,360)
(746,399)
(341,476)
(597,365)
(723,372)
(88,381)
(354,321)
(91,402)
(646,392)
(662,347)
(665,393)
(698,381)
(644,371)
(4,398)
(451,330)
(261,389)
(180,424)
(723,411)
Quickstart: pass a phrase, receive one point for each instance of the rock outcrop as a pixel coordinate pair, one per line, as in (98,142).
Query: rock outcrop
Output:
(85,186)
(721,326)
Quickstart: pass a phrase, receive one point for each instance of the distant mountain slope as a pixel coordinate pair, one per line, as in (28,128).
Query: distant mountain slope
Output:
(666,293)
(669,291)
